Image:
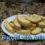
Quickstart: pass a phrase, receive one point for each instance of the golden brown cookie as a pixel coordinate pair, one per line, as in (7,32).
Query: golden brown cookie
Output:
(33,26)
(12,24)
(17,24)
(23,21)
(37,30)
(42,23)
(43,17)
(9,28)
(22,31)
(43,29)
(34,18)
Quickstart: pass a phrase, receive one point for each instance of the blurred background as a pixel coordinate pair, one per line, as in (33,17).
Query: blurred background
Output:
(9,8)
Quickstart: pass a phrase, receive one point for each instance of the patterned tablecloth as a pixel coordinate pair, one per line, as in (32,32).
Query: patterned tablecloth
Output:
(7,10)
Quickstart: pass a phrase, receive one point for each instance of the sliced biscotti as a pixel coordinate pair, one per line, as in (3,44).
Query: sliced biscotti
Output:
(9,28)
(37,30)
(43,17)
(17,24)
(33,26)
(23,21)
(23,31)
(42,23)
(44,30)
(34,18)
(12,24)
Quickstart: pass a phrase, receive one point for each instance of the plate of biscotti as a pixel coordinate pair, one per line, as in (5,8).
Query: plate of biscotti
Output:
(24,25)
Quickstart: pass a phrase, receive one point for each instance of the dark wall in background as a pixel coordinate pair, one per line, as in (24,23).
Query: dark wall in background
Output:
(22,0)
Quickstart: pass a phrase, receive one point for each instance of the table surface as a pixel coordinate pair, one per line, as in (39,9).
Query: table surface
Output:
(9,10)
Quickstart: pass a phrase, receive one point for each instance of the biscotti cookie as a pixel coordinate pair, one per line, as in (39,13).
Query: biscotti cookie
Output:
(22,31)
(12,24)
(23,21)
(9,28)
(34,18)
(33,26)
(42,23)
(37,30)
(43,17)
(43,29)
(17,24)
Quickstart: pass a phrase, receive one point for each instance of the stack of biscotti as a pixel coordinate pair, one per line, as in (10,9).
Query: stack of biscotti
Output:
(27,24)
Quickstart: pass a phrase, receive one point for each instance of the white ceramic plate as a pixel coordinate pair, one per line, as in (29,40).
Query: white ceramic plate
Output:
(41,35)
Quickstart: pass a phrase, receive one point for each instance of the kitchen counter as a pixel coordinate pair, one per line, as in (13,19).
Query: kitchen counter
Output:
(7,10)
